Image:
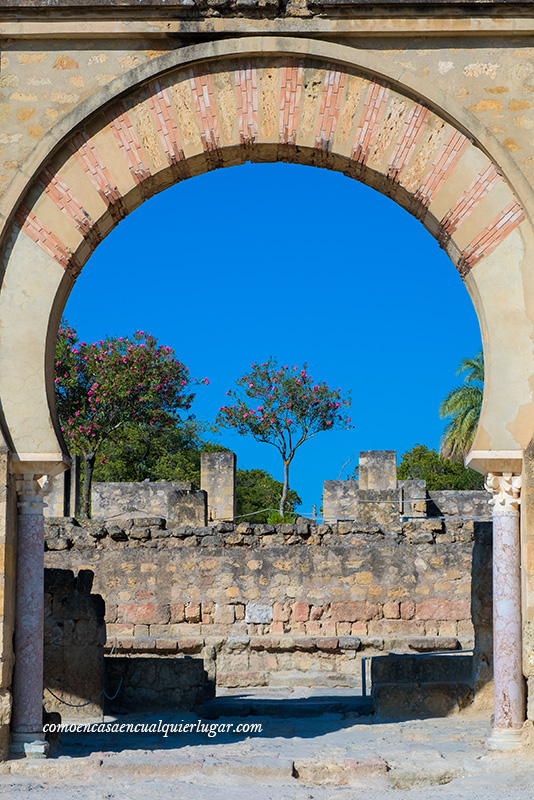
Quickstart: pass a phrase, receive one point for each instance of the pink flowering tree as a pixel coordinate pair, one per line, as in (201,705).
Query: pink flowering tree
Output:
(283,407)
(104,386)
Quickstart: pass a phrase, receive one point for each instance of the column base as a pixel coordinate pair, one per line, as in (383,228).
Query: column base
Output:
(504,739)
(30,745)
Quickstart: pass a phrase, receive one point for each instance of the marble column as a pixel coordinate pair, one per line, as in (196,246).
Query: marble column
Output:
(27,736)
(509,692)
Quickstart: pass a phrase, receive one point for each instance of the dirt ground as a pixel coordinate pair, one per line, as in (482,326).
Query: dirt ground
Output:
(334,756)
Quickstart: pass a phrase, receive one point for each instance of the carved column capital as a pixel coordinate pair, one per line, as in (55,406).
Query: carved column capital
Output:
(505,488)
(31,490)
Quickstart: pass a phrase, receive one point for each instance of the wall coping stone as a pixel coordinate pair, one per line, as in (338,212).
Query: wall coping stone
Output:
(66,533)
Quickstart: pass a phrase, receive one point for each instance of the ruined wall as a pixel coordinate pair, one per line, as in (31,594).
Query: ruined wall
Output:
(175,501)
(74,637)
(217,478)
(346,500)
(146,682)
(291,604)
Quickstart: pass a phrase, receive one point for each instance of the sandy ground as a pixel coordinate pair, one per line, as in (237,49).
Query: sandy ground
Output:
(329,757)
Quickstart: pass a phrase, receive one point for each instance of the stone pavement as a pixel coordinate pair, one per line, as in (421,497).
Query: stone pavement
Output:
(328,757)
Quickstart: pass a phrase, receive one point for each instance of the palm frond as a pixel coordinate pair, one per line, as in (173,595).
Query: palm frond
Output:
(463,405)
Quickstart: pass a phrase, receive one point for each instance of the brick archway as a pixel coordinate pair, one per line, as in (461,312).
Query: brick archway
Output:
(262,100)
(202,116)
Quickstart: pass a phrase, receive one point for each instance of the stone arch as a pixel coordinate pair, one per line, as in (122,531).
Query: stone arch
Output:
(243,104)
(266,98)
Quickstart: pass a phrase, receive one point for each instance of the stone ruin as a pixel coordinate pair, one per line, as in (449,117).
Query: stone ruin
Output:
(403,572)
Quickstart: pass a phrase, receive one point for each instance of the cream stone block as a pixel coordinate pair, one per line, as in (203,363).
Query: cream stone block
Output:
(226,104)
(58,222)
(269,88)
(494,203)
(114,159)
(143,122)
(349,118)
(310,102)
(471,163)
(396,111)
(184,109)
(496,286)
(428,148)
(26,299)
(72,173)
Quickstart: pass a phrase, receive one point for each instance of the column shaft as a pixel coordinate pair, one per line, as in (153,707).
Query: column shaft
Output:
(27,719)
(509,692)
(507,650)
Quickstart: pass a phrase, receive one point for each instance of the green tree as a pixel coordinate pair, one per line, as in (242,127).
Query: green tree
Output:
(258,493)
(171,453)
(102,388)
(283,407)
(438,472)
(463,405)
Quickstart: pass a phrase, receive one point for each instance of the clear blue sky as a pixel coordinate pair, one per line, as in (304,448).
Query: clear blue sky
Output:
(304,264)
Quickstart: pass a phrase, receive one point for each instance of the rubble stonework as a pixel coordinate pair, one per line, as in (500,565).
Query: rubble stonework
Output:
(176,501)
(74,637)
(265,604)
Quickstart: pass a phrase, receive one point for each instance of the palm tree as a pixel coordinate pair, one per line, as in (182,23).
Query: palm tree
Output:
(463,406)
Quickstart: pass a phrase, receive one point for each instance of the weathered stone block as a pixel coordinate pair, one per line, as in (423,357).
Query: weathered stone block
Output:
(396,627)
(378,470)
(306,643)
(217,478)
(407,609)
(157,683)
(223,614)
(327,643)
(238,643)
(192,612)
(301,612)
(427,644)
(177,612)
(259,613)
(353,611)
(143,613)
(281,612)
(350,642)
(391,609)
(441,609)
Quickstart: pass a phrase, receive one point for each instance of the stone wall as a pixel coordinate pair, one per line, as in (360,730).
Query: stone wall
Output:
(74,637)
(175,501)
(378,496)
(282,604)
(150,683)
(378,470)
(460,504)
(217,478)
